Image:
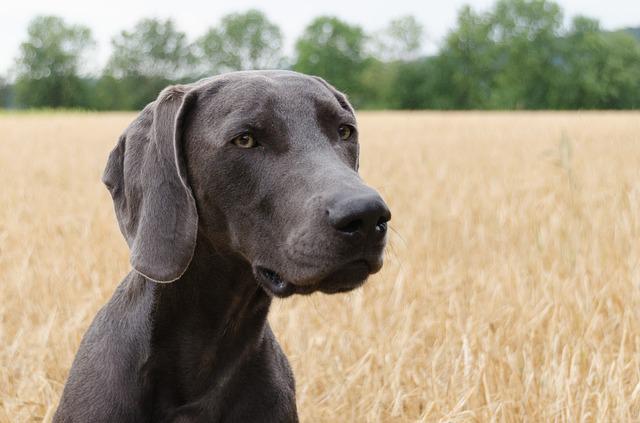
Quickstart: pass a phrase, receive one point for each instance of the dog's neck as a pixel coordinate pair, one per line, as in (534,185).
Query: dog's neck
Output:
(213,317)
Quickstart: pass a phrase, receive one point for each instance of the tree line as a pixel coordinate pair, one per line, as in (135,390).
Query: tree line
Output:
(516,55)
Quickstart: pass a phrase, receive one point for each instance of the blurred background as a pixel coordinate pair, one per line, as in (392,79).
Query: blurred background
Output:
(411,54)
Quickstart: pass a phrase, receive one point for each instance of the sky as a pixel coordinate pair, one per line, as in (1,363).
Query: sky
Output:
(109,17)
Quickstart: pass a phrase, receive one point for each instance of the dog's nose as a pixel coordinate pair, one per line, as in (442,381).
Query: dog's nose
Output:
(365,214)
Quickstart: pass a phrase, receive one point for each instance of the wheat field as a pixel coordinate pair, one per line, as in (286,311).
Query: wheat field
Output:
(510,291)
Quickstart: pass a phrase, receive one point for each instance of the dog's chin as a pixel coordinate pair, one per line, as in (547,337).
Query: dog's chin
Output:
(342,279)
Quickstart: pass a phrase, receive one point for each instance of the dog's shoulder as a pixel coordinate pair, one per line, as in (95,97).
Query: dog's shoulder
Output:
(106,378)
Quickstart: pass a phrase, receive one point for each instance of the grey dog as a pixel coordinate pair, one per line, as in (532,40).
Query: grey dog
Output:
(235,189)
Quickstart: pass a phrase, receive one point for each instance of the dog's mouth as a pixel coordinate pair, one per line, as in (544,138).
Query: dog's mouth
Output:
(344,278)
(273,283)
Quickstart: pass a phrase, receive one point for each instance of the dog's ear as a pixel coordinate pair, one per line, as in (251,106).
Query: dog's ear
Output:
(344,103)
(147,179)
(340,96)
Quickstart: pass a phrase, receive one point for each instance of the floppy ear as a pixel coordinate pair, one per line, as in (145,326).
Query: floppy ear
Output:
(147,179)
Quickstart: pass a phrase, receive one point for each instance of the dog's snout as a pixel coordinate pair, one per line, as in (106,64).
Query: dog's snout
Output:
(365,214)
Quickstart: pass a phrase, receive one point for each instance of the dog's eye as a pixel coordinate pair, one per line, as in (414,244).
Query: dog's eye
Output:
(345,132)
(244,141)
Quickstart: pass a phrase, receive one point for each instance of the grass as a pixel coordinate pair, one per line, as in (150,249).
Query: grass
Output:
(510,290)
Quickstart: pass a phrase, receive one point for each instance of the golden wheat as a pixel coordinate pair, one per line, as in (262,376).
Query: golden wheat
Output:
(510,290)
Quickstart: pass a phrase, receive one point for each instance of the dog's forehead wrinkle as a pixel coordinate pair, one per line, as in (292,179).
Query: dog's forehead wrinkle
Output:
(300,115)
(270,99)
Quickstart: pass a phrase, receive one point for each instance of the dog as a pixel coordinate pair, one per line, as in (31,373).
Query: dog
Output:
(229,191)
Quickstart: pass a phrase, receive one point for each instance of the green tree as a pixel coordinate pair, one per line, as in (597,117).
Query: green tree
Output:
(465,66)
(580,81)
(620,71)
(509,57)
(154,48)
(416,86)
(393,48)
(600,68)
(377,89)
(49,64)
(6,93)
(400,40)
(526,35)
(633,31)
(334,50)
(243,41)
(151,56)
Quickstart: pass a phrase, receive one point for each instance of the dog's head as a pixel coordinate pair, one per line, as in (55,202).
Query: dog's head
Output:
(262,164)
